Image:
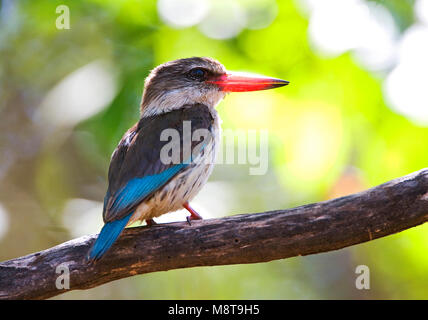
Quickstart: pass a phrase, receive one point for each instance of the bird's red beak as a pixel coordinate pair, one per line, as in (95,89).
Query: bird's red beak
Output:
(231,82)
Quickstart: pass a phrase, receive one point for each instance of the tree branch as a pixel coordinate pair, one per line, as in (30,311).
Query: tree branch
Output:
(386,209)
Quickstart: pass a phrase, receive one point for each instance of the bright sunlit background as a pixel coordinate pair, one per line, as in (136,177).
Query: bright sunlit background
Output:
(354,115)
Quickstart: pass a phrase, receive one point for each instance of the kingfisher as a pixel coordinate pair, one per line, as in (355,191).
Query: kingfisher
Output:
(162,162)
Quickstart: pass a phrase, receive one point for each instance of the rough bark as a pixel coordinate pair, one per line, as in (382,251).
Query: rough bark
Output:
(248,238)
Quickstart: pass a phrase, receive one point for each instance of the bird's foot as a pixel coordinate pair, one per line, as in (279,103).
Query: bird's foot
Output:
(193,214)
(150,222)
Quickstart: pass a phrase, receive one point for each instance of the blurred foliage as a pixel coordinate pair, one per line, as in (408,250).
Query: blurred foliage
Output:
(330,134)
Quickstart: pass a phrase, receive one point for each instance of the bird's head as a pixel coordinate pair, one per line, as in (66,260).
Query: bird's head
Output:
(195,80)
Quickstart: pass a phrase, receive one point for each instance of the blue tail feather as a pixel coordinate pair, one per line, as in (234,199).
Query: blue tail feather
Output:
(108,235)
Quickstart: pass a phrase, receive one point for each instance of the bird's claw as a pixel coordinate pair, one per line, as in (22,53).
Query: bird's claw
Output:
(193,214)
(191,217)
(151,222)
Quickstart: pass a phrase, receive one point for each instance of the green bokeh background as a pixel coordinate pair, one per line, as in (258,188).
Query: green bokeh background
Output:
(330,133)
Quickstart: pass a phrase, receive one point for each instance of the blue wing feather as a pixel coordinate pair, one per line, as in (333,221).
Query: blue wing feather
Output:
(107,236)
(133,192)
(139,188)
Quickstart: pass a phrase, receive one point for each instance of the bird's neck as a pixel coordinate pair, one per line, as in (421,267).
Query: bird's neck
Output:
(176,99)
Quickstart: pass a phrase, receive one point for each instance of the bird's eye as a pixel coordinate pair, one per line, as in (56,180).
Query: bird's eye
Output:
(197,73)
